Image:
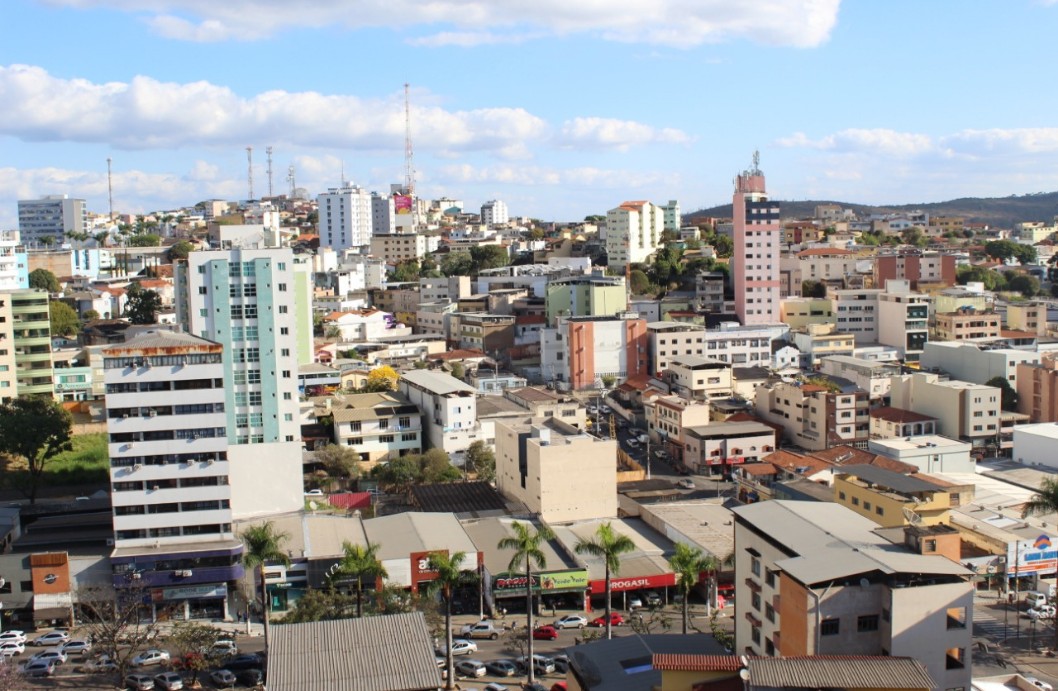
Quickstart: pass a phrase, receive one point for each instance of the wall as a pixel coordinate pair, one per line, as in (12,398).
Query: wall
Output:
(920,629)
(265,479)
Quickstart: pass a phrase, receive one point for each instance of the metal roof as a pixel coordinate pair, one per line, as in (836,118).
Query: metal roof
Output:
(383,653)
(821,672)
(399,535)
(436,383)
(910,484)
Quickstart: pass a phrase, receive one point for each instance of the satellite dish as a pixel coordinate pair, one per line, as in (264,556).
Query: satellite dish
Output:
(911,517)
(864,583)
(313,505)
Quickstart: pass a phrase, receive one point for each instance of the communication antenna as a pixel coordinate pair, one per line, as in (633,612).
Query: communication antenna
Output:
(409,157)
(110,189)
(290,179)
(249,170)
(268,150)
(911,517)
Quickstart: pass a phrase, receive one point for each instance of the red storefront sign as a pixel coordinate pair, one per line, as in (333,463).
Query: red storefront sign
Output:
(420,568)
(730,461)
(619,584)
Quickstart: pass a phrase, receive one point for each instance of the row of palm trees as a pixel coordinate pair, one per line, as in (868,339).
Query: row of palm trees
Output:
(264,543)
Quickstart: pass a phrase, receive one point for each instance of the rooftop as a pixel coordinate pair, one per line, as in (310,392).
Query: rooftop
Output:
(899,415)
(437,383)
(162,341)
(401,534)
(895,481)
(458,497)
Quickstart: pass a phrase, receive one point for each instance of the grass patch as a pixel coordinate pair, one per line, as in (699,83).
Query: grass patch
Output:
(86,463)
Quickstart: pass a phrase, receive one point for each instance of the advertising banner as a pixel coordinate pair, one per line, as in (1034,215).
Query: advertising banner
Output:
(618,584)
(402,203)
(1036,556)
(189,592)
(548,581)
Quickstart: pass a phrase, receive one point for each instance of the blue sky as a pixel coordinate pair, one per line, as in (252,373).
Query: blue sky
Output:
(561,109)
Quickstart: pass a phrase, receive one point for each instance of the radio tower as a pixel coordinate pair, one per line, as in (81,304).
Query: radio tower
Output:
(268,150)
(249,169)
(409,158)
(290,179)
(110,190)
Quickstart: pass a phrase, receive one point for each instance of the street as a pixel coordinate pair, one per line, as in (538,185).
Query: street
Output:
(1006,641)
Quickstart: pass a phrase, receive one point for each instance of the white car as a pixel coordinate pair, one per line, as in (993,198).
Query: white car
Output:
(571,621)
(1038,683)
(686,483)
(13,635)
(493,686)
(9,648)
(460,646)
(54,656)
(632,443)
(605,409)
(314,493)
(1041,612)
(634,603)
(77,647)
(224,648)
(470,668)
(150,657)
(52,638)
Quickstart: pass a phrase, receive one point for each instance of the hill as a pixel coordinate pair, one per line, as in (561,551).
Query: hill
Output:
(996,211)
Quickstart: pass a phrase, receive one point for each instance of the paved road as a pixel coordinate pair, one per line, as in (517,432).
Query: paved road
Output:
(1006,642)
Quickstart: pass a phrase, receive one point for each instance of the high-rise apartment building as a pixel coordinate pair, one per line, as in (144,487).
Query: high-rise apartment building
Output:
(633,233)
(673,219)
(345,217)
(25,344)
(755,259)
(14,273)
(494,213)
(167,414)
(51,219)
(382,214)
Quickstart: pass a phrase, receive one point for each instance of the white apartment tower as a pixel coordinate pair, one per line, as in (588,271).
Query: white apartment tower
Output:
(50,219)
(494,213)
(345,217)
(633,233)
(673,217)
(11,273)
(383,221)
(755,260)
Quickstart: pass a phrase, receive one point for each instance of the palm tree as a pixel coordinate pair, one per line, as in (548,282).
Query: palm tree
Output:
(610,546)
(688,563)
(450,575)
(526,545)
(359,562)
(263,544)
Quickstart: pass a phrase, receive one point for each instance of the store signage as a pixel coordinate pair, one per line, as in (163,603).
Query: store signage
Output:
(618,585)
(542,582)
(193,591)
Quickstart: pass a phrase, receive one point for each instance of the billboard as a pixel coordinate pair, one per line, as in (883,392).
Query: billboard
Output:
(402,203)
(548,581)
(1034,556)
(618,585)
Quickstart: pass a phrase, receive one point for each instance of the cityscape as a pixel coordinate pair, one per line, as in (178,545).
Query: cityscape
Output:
(350,382)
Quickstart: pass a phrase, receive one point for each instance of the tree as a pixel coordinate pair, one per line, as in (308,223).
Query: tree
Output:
(481,460)
(143,305)
(1008,396)
(380,379)
(1026,284)
(688,563)
(914,236)
(263,543)
(64,321)
(321,604)
(993,280)
(608,381)
(145,240)
(112,618)
(339,461)
(91,315)
(489,257)
(1003,250)
(33,429)
(42,279)
(609,545)
(458,371)
(813,289)
(526,546)
(406,271)
(180,250)
(638,282)
(397,474)
(1025,254)
(450,576)
(436,467)
(191,643)
(457,264)
(359,562)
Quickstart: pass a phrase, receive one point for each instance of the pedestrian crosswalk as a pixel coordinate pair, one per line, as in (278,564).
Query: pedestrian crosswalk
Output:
(987,626)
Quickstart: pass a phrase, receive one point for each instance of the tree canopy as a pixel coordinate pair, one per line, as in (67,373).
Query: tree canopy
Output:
(339,461)
(382,378)
(481,460)
(33,429)
(42,279)
(1005,250)
(1008,397)
(64,321)
(180,250)
(145,240)
(429,468)
(143,305)
(1026,284)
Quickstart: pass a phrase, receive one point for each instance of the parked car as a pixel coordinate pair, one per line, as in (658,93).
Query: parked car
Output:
(571,621)
(493,686)
(99,665)
(9,648)
(542,664)
(642,438)
(501,668)
(150,657)
(605,409)
(482,629)
(561,663)
(1044,686)
(52,638)
(615,620)
(635,602)
(250,677)
(652,598)
(1034,599)
(470,668)
(460,646)
(222,678)
(545,633)
(38,668)
(535,686)
(224,648)
(559,686)
(57,656)
(241,662)
(169,681)
(314,493)
(78,647)
(13,635)
(686,483)
(139,682)
(1041,612)
(632,443)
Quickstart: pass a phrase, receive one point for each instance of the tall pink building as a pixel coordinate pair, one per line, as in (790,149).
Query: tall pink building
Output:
(755,260)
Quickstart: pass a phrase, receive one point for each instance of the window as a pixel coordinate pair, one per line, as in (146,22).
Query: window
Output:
(855,501)
(879,510)
(841,496)
(282,287)
(355,426)
(867,623)
(769,613)
(830,627)
(929,546)
(755,635)
(956,618)
(769,577)
(282,309)
(285,331)
(754,566)
(867,505)
(755,601)
(955,658)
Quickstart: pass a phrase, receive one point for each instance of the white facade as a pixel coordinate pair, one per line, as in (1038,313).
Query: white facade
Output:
(903,319)
(401,247)
(963,410)
(969,362)
(873,377)
(10,275)
(383,216)
(731,343)
(494,213)
(1035,444)
(449,408)
(633,233)
(345,217)
(856,311)
(930,453)
(168,444)
(673,219)
(53,216)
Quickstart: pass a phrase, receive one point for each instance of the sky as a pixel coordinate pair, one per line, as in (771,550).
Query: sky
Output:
(559,108)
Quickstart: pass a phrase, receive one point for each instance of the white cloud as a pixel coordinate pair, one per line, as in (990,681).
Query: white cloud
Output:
(536,176)
(470,39)
(877,141)
(616,134)
(798,23)
(995,141)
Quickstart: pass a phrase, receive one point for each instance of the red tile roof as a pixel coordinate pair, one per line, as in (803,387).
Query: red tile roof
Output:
(899,415)
(758,469)
(696,663)
(350,500)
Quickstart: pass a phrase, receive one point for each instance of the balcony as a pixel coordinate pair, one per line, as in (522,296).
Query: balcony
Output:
(170,578)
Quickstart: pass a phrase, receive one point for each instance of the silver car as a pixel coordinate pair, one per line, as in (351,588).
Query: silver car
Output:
(470,668)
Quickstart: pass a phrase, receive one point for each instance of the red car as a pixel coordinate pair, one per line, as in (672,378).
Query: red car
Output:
(615,620)
(545,633)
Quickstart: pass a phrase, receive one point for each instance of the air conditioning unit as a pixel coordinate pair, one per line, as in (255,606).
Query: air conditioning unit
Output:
(124,416)
(136,467)
(152,413)
(209,462)
(155,488)
(135,576)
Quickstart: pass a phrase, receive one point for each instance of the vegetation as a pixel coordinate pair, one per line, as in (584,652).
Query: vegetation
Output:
(86,462)
(42,279)
(1005,250)
(481,461)
(180,250)
(110,618)
(526,543)
(91,315)
(145,240)
(609,545)
(143,305)
(381,379)
(339,461)
(359,562)
(450,576)
(688,563)
(1026,284)
(321,604)
(993,280)
(263,544)
(64,321)
(190,644)
(1009,397)
(428,468)
(33,430)
(813,289)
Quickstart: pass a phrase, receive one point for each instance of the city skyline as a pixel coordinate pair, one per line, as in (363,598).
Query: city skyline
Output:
(864,104)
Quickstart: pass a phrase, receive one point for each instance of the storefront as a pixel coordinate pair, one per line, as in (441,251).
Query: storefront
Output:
(209,602)
(509,589)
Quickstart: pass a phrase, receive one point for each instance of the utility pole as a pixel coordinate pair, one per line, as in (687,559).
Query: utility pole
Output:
(110,190)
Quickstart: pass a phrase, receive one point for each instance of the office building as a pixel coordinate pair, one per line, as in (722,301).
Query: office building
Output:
(819,579)
(345,217)
(963,410)
(383,216)
(755,259)
(50,220)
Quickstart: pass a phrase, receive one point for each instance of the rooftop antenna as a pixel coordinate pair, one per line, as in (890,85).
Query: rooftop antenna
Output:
(249,170)
(290,179)
(110,189)
(268,150)
(343,172)
(409,158)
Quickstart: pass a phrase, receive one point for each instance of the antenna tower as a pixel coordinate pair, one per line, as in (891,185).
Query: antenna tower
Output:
(290,179)
(110,189)
(249,170)
(409,158)
(268,150)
